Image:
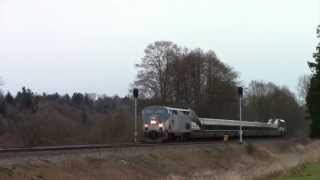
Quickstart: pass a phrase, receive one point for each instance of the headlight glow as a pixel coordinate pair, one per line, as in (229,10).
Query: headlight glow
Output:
(153,122)
(145,125)
(161,125)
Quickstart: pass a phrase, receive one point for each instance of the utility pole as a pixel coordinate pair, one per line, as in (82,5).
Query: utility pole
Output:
(135,96)
(240,92)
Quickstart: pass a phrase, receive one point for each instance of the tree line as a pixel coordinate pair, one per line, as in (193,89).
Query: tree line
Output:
(28,100)
(169,74)
(53,119)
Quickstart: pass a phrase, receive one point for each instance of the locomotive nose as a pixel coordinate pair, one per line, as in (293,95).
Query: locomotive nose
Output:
(153,135)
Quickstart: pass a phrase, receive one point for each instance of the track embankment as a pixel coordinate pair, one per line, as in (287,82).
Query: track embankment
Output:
(256,160)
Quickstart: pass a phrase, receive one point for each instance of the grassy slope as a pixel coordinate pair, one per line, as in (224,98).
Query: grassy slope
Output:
(308,172)
(225,162)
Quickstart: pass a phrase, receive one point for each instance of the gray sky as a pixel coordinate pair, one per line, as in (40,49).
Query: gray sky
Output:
(91,46)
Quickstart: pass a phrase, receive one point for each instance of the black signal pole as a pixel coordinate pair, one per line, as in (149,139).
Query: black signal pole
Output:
(135,96)
(240,92)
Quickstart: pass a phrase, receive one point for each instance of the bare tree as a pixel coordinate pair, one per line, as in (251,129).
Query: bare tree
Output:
(267,100)
(188,78)
(152,78)
(303,87)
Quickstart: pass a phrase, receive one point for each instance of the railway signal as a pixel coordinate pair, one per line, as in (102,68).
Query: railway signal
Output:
(135,96)
(135,93)
(240,93)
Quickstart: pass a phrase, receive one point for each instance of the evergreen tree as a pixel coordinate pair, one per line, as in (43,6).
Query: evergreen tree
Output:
(25,98)
(3,107)
(9,98)
(313,96)
(77,98)
(66,98)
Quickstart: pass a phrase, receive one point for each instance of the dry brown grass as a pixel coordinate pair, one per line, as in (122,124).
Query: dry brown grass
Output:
(231,162)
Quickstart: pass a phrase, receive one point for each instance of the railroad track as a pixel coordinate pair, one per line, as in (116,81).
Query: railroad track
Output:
(123,145)
(96,146)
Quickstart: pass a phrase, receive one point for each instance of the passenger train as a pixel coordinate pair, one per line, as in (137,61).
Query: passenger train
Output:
(162,123)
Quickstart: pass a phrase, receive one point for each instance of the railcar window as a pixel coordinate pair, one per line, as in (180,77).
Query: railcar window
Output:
(175,112)
(162,113)
(186,113)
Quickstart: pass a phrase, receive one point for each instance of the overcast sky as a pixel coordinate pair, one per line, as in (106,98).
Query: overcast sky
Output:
(91,46)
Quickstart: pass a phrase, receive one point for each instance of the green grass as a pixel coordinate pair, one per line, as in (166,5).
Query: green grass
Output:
(307,172)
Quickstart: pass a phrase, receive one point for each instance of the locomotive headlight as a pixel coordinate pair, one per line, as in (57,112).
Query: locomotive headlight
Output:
(146,125)
(153,122)
(160,125)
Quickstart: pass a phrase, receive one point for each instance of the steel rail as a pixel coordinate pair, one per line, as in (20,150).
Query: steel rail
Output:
(97,146)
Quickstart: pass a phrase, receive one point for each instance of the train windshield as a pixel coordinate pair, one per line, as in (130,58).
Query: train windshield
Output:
(160,113)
